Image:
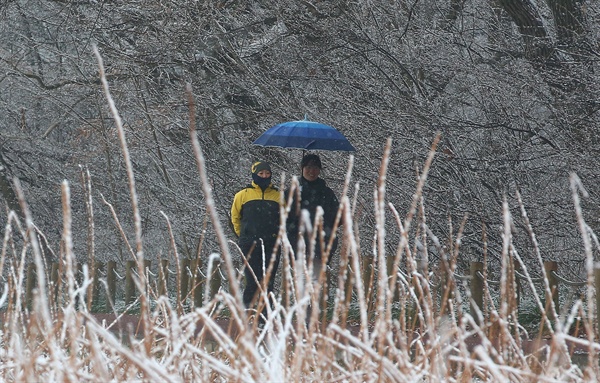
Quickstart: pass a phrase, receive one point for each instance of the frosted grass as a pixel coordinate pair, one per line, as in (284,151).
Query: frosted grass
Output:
(385,343)
(400,332)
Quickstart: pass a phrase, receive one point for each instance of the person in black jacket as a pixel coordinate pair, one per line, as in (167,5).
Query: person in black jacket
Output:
(255,219)
(313,192)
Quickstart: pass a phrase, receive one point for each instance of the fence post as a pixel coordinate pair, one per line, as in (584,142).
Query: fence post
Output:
(93,289)
(597,286)
(324,298)
(197,285)
(348,288)
(29,284)
(185,278)
(518,286)
(367,275)
(477,286)
(215,278)
(550,267)
(78,282)
(163,276)
(444,286)
(129,284)
(147,266)
(389,263)
(285,283)
(111,282)
(511,295)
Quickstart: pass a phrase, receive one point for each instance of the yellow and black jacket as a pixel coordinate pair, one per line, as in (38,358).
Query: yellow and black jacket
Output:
(255,213)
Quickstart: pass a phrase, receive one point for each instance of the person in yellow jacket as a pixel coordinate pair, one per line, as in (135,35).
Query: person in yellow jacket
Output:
(255,219)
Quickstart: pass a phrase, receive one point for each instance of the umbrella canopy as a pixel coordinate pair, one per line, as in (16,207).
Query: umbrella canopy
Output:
(307,135)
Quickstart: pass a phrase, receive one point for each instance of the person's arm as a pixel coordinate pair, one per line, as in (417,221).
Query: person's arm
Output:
(332,208)
(293,213)
(236,213)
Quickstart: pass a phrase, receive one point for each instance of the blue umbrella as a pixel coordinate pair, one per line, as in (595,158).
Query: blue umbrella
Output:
(307,135)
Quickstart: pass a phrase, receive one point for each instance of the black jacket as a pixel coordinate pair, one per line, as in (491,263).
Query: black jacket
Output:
(312,194)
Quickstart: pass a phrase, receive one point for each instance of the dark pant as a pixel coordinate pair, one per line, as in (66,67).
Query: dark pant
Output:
(317,260)
(255,260)
(293,238)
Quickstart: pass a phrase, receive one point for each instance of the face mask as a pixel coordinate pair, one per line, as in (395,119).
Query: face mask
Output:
(261,182)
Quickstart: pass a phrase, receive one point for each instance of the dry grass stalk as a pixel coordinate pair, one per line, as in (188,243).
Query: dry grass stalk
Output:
(137,220)
(434,349)
(415,333)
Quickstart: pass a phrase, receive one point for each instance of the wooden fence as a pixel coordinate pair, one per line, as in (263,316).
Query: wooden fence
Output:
(187,280)
(188,283)
(477,280)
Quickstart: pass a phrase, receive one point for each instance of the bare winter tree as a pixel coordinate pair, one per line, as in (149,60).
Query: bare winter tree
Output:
(511,85)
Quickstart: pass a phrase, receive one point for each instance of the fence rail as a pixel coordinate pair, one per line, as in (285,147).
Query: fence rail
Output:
(189,282)
(478,280)
(188,279)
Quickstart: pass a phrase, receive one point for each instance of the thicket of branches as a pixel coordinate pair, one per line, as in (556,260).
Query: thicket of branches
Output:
(512,87)
(410,331)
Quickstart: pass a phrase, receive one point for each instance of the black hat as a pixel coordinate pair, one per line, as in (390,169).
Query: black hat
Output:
(260,165)
(311,159)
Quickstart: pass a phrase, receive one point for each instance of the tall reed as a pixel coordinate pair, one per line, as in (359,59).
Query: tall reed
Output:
(415,330)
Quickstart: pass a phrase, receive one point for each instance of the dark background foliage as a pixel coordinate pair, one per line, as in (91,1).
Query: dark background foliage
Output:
(512,86)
